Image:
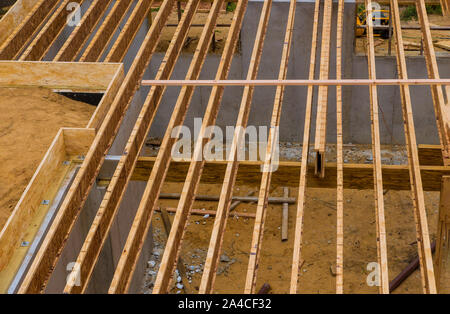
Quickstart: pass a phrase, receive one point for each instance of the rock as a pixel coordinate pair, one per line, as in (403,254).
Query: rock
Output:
(206,216)
(224,258)
(179,286)
(179,279)
(151,263)
(192,267)
(333,269)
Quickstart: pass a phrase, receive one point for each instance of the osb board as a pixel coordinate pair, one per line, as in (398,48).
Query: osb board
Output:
(28,112)
(69,76)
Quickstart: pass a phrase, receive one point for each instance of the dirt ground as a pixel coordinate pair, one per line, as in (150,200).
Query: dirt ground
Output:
(31,118)
(411,38)
(319,246)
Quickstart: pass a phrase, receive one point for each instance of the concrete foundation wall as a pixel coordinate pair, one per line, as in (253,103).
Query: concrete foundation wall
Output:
(356,105)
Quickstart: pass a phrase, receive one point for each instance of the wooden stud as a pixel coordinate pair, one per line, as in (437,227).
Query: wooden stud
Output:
(144,213)
(296,256)
(224,207)
(272,146)
(285,217)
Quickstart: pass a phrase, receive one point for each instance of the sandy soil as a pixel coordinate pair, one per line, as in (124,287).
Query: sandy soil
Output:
(319,249)
(30,120)
(409,36)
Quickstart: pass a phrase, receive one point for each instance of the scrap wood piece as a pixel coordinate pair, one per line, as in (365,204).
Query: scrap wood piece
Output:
(202,212)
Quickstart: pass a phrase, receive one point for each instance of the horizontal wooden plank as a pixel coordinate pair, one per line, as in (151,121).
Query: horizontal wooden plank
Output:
(356,176)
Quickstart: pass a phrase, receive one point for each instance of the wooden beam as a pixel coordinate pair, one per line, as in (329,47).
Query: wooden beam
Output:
(376,154)
(296,256)
(106,31)
(356,176)
(295,82)
(440,109)
(442,257)
(14,44)
(423,239)
(48,255)
(171,253)
(339,158)
(272,147)
(144,213)
(73,45)
(223,208)
(322,101)
(48,34)
(129,31)
(96,237)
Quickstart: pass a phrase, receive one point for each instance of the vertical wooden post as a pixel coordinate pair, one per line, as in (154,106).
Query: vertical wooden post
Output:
(285,217)
(442,257)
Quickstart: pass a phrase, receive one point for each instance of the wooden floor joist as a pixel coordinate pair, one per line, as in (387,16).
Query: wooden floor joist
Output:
(322,99)
(31,31)
(441,112)
(73,45)
(376,154)
(213,255)
(47,256)
(423,238)
(129,31)
(296,257)
(269,162)
(107,29)
(144,213)
(14,44)
(339,158)
(171,252)
(101,225)
(49,33)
